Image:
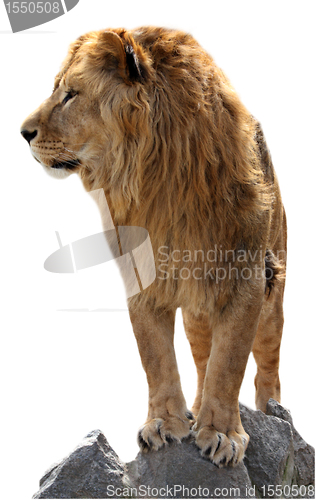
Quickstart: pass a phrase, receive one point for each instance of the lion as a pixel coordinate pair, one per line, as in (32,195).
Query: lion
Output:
(148,117)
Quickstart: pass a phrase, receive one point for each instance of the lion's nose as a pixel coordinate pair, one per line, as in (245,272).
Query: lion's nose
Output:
(28,136)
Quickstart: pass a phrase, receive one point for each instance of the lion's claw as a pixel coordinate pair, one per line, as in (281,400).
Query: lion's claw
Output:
(158,432)
(220,448)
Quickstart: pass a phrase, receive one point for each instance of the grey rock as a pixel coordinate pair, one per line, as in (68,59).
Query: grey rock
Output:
(304,454)
(86,473)
(276,457)
(270,454)
(276,410)
(179,471)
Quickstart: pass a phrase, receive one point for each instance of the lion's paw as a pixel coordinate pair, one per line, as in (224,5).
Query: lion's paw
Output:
(222,449)
(157,432)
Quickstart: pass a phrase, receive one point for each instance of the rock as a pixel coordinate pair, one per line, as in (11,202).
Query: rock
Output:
(276,410)
(304,454)
(179,471)
(278,463)
(270,454)
(85,473)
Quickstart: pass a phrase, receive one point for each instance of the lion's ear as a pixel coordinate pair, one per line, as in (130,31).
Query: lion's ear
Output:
(132,64)
(124,53)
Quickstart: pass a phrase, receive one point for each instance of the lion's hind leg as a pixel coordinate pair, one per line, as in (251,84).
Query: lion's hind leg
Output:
(266,346)
(266,349)
(199,333)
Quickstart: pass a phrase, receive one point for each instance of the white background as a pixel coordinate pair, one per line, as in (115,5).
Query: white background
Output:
(64,374)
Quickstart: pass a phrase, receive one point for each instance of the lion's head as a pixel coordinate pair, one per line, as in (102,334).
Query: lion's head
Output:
(71,130)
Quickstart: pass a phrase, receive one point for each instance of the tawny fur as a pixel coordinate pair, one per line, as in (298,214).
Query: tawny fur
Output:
(156,124)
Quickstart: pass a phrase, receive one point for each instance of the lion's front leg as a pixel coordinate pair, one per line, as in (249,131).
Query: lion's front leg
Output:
(220,434)
(168,418)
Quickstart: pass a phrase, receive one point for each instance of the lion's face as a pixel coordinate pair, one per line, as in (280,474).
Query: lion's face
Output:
(64,129)
(71,130)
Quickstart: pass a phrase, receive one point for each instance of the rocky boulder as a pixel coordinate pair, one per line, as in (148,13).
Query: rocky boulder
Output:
(278,463)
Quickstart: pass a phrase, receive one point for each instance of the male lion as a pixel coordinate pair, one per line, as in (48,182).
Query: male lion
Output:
(147,116)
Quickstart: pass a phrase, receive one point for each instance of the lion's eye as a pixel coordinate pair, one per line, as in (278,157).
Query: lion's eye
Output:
(69,95)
